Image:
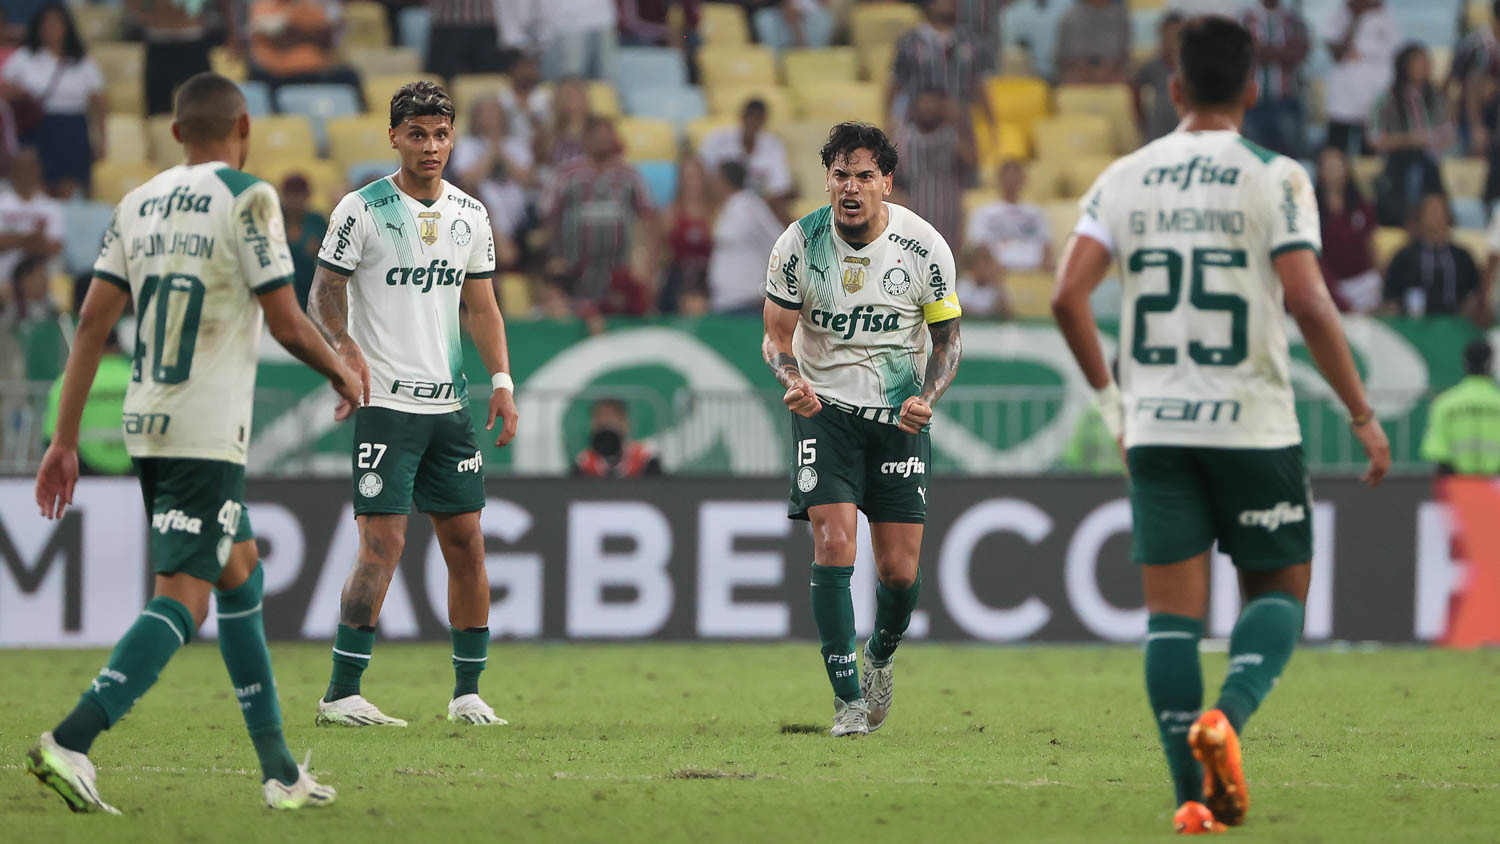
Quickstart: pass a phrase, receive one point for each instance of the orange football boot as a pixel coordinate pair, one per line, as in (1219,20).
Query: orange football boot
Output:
(1194,818)
(1216,745)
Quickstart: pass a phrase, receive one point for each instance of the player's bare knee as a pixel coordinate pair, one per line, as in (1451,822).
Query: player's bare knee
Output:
(900,579)
(833,546)
(381,543)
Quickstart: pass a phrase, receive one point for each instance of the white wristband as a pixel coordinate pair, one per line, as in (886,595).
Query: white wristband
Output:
(502,381)
(1111,407)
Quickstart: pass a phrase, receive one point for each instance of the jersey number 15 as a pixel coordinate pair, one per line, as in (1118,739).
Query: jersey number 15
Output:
(1199,297)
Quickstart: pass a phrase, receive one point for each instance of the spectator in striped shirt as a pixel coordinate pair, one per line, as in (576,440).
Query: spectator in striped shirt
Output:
(937,161)
(463,38)
(1281,48)
(1157,113)
(935,54)
(1476,74)
(1410,129)
(598,210)
(1093,43)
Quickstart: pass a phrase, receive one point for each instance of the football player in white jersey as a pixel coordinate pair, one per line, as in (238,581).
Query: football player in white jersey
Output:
(399,257)
(855,293)
(1216,240)
(201,251)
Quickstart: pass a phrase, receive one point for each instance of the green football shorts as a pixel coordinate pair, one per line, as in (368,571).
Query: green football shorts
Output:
(197,510)
(838,457)
(1256,502)
(431,460)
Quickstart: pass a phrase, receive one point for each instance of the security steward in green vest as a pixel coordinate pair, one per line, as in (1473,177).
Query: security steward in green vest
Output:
(101,445)
(1463,426)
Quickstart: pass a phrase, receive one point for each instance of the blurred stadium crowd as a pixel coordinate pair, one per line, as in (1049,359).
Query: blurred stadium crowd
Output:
(641,156)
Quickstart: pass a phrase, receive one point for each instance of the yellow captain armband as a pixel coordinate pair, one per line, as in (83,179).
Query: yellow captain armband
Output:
(942,310)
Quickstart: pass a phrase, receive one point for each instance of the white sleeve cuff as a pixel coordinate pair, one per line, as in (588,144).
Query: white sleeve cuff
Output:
(1092,228)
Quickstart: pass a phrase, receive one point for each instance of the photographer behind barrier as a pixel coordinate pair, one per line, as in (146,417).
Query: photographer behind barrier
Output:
(611,452)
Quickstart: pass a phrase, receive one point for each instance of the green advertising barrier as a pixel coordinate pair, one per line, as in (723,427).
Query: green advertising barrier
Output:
(697,390)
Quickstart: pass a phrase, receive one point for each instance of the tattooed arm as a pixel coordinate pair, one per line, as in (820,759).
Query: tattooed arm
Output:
(328,306)
(776,350)
(942,368)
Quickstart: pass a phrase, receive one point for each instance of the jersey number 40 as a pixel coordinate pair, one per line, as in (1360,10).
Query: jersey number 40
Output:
(178,300)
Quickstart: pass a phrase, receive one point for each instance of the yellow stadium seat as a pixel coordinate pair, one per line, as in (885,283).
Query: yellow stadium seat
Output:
(1476,242)
(1073,135)
(1388,241)
(875,61)
(1061,218)
(699,127)
(126,95)
(325,180)
(384,61)
(125,138)
(1146,5)
(838,101)
(1019,99)
(723,24)
(1113,102)
(1016,61)
(379,88)
(165,151)
(1080,172)
(1366,169)
(806,203)
(812,68)
(225,63)
(119,60)
(97,22)
(1442,62)
(744,65)
(996,145)
(646,139)
(285,136)
(113,179)
(1480,13)
(1030,294)
(728,101)
(1465,176)
(1044,180)
(976,198)
(603,99)
(515,295)
(881,23)
(466,88)
(355,139)
(365,25)
(804,141)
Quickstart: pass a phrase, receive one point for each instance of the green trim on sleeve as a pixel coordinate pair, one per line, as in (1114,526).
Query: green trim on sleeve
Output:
(785,303)
(480,274)
(331,267)
(1293,247)
(266,287)
(112,279)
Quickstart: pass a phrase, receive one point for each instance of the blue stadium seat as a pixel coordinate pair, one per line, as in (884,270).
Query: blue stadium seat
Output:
(659,67)
(661,179)
(1468,212)
(1143,26)
(257,98)
(318,103)
(413,24)
(84,222)
(679,105)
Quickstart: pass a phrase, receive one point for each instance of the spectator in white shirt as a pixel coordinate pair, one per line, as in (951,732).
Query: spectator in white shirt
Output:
(578,38)
(1363,37)
(762,154)
(58,95)
(31,222)
(744,236)
(1004,236)
(526,101)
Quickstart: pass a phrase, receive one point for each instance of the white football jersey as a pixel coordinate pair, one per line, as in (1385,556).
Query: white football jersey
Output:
(1196,220)
(406,261)
(861,339)
(194,246)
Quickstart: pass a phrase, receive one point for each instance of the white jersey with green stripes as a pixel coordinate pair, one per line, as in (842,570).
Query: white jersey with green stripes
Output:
(861,338)
(193,247)
(1196,220)
(406,260)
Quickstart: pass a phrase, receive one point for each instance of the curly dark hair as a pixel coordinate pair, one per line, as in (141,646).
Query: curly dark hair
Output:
(420,99)
(845,138)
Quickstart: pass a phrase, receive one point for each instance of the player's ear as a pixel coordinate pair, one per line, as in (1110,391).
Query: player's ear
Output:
(176,132)
(1251,95)
(391,132)
(242,125)
(1179,96)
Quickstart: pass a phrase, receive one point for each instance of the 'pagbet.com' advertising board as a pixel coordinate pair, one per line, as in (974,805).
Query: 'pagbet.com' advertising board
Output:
(1043,559)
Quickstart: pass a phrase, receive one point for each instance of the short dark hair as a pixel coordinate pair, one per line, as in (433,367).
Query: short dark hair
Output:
(420,99)
(733,173)
(1495,10)
(845,138)
(1217,57)
(754,104)
(208,106)
(1478,354)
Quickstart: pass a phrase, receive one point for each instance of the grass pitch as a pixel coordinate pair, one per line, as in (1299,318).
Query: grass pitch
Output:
(710,743)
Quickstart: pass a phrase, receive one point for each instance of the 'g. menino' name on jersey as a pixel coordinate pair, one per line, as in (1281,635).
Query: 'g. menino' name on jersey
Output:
(194,246)
(1196,220)
(861,339)
(406,260)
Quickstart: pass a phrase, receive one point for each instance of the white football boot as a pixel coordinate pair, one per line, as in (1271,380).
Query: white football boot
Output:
(306,791)
(353,711)
(471,710)
(877,682)
(850,719)
(67,772)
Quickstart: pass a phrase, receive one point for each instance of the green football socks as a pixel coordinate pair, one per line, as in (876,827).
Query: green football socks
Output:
(352,647)
(137,660)
(242,643)
(833,612)
(893,609)
(1259,648)
(470,647)
(1174,683)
